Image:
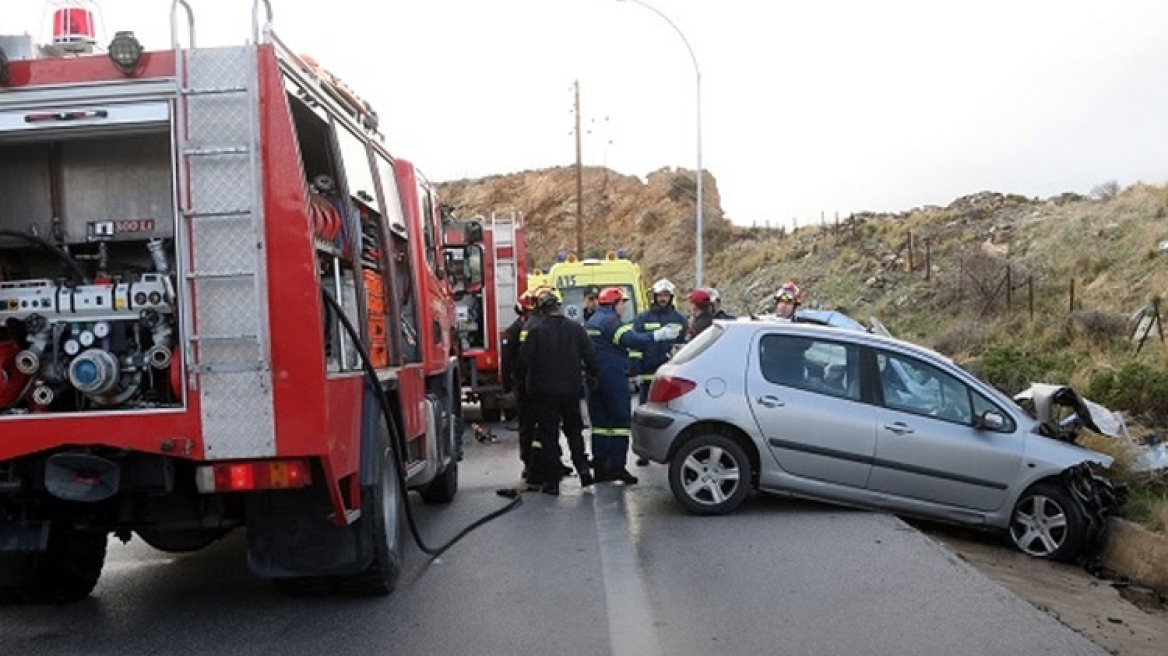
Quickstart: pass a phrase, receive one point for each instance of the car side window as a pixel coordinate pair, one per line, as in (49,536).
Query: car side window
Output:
(910,385)
(810,364)
(981,405)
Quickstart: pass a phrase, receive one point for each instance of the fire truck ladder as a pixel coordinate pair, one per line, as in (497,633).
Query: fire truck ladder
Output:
(222,222)
(506,276)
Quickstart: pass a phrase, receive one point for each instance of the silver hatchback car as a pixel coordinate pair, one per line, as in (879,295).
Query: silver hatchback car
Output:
(863,420)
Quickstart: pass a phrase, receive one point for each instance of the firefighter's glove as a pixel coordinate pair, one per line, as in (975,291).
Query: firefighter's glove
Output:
(666,334)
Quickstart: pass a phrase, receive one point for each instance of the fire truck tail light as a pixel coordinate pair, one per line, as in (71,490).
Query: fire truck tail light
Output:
(258,475)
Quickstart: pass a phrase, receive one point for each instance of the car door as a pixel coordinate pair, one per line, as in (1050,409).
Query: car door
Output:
(926,445)
(805,395)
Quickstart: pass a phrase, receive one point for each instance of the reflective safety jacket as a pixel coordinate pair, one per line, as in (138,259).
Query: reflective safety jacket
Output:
(651,357)
(609,405)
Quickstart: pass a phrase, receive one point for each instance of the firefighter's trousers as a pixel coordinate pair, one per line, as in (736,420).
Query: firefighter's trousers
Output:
(526,415)
(610,410)
(554,412)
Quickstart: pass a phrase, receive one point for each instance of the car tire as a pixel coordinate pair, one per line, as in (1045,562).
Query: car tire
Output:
(1048,523)
(710,474)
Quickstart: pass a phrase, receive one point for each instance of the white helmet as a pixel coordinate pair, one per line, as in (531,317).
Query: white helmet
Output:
(663,286)
(715,297)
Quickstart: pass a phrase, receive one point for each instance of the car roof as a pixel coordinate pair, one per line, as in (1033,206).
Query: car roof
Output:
(805,329)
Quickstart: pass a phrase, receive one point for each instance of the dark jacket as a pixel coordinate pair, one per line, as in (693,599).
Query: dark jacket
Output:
(511,367)
(557,356)
(700,323)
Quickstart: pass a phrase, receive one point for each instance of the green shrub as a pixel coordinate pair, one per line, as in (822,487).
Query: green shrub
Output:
(1012,369)
(1147,504)
(1136,388)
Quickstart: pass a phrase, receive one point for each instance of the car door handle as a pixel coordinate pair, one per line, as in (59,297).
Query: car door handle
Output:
(769,401)
(900,428)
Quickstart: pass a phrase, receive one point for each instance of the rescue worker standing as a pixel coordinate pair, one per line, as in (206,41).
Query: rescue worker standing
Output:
(787,300)
(590,302)
(716,299)
(661,313)
(514,374)
(558,357)
(608,403)
(702,307)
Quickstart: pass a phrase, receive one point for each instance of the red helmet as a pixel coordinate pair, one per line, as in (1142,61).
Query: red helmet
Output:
(526,302)
(699,296)
(789,292)
(611,295)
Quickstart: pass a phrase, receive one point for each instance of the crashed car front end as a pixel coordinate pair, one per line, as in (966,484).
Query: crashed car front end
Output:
(1096,496)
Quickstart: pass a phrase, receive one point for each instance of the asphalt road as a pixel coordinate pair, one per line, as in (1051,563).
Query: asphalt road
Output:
(615,570)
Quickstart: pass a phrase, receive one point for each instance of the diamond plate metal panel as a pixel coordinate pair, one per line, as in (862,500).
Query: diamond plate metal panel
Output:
(220,119)
(220,183)
(226,307)
(224,244)
(237,416)
(234,374)
(215,68)
(215,352)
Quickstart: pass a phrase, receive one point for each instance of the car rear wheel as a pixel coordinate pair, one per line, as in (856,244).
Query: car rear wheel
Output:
(710,474)
(1047,523)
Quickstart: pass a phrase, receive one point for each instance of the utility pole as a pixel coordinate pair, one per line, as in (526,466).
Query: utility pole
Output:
(579,182)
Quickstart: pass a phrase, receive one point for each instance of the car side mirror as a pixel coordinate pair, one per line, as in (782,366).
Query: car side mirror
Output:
(989,421)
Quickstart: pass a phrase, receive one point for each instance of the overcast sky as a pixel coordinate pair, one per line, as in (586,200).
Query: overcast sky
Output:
(807,107)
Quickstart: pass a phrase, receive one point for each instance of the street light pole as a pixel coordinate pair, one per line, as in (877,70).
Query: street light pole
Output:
(698,88)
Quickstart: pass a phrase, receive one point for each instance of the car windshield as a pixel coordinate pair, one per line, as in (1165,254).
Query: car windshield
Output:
(572,301)
(698,344)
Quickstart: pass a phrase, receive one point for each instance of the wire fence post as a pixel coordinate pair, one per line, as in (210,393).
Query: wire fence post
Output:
(1030,295)
(1009,288)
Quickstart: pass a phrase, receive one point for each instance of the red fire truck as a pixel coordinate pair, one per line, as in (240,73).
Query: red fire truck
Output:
(201,250)
(495,276)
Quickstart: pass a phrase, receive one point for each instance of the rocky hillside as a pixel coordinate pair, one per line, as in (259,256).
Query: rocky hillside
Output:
(1017,288)
(652,219)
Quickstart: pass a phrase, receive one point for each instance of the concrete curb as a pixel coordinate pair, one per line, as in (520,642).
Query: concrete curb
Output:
(1137,553)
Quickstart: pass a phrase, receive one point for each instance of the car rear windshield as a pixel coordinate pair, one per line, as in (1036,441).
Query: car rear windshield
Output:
(700,343)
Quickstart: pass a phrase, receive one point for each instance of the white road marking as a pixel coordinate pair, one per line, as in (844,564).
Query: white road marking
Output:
(631,627)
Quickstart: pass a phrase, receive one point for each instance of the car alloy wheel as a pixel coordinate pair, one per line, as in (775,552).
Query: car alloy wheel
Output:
(1047,523)
(710,474)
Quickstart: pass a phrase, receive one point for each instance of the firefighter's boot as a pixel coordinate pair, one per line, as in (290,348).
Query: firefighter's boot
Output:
(624,476)
(585,474)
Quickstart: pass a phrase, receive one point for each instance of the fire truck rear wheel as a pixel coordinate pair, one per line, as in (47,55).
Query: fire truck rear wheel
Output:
(383,507)
(67,571)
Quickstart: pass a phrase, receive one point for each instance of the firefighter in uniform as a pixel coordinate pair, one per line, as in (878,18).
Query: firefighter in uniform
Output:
(513,374)
(661,313)
(787,300)
(716,299)
(558,358)
(608,403)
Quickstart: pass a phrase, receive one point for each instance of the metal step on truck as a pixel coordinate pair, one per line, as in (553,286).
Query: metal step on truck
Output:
(223,305)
